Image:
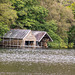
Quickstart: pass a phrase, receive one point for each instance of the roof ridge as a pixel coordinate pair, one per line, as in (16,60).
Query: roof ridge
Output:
(38,31)
(17,33)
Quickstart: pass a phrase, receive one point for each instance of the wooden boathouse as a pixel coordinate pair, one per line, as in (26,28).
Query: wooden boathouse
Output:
(25,38)
(42,38)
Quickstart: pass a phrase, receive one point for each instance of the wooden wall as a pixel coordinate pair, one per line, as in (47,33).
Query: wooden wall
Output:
(30,37)
(18,42)
(11,42)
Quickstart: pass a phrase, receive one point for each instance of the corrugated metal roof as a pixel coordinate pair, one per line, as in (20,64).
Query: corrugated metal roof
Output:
(16,33)
(40,34)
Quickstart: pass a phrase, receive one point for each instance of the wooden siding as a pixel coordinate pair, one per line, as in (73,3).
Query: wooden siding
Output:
(29,37)
(12,42)
(18,42)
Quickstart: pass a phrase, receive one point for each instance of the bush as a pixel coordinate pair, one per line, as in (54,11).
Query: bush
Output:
(57,45)
(70,45)
(57,41)
(53,45)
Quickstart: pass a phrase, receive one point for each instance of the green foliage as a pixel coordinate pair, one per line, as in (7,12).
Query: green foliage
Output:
(57,41)
(3,28)
(57,45)
(73,8)
(61,14)
(52,25)
(71,35)
(46,26)
(38,13)
(7,16)
(54,36)
(4,1)
(7,13)
(71,45)
(29,13)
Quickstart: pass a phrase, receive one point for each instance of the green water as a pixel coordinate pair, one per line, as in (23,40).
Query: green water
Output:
(37,62)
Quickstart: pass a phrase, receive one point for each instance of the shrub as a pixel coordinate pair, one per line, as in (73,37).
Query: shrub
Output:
(70,45)
(57,45)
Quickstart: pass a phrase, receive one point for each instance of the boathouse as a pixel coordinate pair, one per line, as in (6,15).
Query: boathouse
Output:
(25,38)
(42,38)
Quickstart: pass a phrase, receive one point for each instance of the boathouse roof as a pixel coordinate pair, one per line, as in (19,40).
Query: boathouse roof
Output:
(40,34)
(17,33)
(21,33)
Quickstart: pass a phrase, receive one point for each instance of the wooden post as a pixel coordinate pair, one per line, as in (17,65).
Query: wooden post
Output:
(17,43)
(3,41)
(10,42)
(22,46)
(7,43)
(13,44)
(41,43)
(34,44)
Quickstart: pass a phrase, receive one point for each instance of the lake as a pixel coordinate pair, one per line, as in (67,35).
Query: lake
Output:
(37,62)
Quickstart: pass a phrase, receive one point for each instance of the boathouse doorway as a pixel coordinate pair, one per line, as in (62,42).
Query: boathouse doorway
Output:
(29,43)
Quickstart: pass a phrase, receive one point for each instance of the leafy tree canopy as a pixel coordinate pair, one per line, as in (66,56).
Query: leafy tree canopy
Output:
(71,34)
(29,13)
(3,28)
(7,13)
(61,14)
(7,16)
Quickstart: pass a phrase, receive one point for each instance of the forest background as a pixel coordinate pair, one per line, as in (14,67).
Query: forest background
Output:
(57,17)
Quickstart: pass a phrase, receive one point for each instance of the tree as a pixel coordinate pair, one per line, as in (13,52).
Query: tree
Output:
(71,35)
(61,14)
(7,16)
(3,28)
(7,12)
(29,13)
(72,6)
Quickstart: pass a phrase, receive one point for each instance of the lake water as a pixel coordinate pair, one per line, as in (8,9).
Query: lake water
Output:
(37,62)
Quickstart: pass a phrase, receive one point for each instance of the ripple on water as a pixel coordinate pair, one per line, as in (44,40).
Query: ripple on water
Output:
(48,56)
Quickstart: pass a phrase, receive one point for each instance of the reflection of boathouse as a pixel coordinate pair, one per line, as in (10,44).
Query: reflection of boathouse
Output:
(25,38)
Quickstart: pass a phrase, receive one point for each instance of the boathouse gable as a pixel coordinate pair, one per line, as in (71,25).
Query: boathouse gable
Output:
(29,40)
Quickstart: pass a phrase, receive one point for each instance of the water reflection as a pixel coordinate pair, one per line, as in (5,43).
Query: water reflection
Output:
(37,62)
(48,56)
